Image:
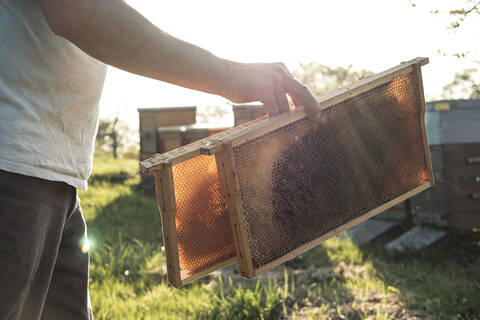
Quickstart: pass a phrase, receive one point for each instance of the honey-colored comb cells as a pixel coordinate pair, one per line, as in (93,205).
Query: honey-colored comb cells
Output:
(301,181)
(203,228)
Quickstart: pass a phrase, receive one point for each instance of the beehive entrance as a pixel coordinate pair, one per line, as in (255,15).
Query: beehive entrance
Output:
(301,181)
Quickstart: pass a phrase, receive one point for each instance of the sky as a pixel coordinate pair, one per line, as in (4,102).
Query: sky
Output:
(372,34)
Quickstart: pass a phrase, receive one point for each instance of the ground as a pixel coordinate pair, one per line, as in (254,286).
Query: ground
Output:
(336,280)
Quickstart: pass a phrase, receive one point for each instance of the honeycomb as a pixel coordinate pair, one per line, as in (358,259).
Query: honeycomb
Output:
(303,180)
(203,227)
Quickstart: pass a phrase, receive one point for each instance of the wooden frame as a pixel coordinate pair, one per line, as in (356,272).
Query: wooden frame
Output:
(325,102)
(226,164)
(222,144)
(167,207)
(421,96)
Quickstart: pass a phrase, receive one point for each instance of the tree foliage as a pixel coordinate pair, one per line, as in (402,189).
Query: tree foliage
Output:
(466,82)
(113,136)
(455,16)
(464,85)
(211,114)
(465,9)
(469,8)
(321,79)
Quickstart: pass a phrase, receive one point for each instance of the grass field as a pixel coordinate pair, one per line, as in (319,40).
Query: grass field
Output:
(336,280)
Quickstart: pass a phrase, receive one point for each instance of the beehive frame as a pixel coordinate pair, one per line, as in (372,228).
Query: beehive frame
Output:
(167,207)
(222,147)
(161,166)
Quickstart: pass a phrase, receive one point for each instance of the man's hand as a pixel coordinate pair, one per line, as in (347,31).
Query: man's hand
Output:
(268,83)
(116,34)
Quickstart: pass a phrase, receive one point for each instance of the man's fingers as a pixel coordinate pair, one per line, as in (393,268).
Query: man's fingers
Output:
(296,89)
(281,98)
(302,96)
(270,104)
(296,103)
(270,84)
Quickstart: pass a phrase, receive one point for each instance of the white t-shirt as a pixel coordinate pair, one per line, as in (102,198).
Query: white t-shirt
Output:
(49,94)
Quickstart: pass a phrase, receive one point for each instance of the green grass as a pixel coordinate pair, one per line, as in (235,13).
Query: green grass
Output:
(336,280)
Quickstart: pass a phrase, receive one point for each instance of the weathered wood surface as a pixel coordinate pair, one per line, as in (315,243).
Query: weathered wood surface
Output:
(454,122)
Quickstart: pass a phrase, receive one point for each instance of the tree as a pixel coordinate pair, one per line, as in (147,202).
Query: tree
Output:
(469,8)
(112,136)
(211,114)
(464,85)
(459,14)
(321,79)
(466,82)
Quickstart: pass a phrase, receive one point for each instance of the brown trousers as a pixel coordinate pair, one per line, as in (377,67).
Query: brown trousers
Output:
(43,271)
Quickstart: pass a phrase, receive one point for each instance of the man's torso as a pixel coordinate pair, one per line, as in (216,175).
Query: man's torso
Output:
(49,93)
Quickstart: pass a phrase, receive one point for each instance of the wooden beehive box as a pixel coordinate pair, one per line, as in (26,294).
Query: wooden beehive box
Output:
(246,112)
(453,128)
(150,119)
(268,190)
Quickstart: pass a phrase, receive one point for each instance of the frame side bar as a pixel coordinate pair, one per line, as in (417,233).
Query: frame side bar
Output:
(421,97)
(168,210)
(225,165)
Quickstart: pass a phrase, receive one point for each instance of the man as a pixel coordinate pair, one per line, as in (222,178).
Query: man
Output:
(52,67)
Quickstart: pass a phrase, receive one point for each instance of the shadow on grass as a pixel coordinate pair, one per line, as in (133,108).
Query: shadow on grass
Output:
(127,241)
(113,178)
(441,281)
(130,217)
(340,280)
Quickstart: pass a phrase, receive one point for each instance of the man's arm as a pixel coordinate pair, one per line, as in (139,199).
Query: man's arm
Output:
(116,34)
